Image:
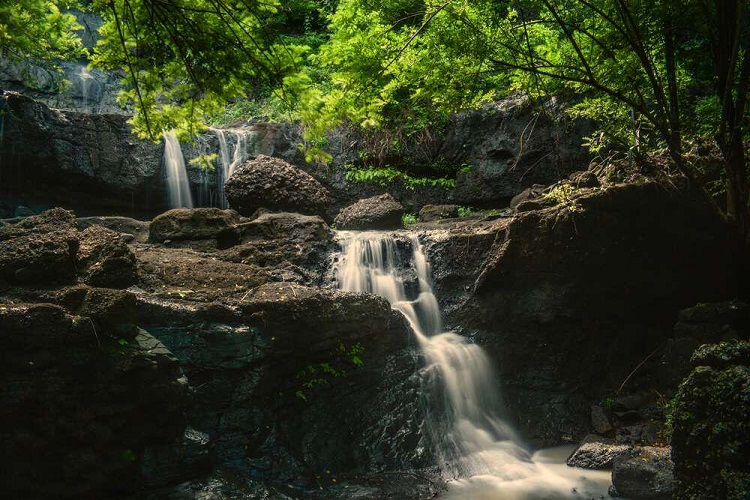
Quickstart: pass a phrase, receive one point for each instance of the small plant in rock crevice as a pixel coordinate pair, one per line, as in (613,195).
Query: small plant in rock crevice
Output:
(319,374)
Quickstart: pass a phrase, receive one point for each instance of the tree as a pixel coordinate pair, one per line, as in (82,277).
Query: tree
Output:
(38,31)
(184,59)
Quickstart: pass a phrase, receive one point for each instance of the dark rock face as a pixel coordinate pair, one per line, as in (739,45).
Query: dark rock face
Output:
(512,147)
(644,472)
(596,452)
(564,274)
(80,405)
(710,442)
(191,224)
(89,163)
(378,212)
(271,183)
(431,213)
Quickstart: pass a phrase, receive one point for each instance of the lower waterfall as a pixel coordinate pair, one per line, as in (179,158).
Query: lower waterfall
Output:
(475,448)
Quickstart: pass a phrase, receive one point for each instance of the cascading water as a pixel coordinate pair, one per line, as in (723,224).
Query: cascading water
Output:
(87,82)
(178,186)
(229,163)
(473,444)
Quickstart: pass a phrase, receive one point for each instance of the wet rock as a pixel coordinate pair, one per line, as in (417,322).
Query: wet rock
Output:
(378,212)
(189,457)
(644,472)
(431,213)
(22,211)
(596,452)
(630,434)
(104,259)
(272,183)
(535,204)
(710,442)
(191,224)
(39,249)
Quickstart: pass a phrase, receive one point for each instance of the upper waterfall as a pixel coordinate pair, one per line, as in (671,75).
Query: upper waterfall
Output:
(472,442)
(178,186)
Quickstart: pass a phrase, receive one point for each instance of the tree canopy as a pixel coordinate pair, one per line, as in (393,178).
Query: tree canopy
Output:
(653,74)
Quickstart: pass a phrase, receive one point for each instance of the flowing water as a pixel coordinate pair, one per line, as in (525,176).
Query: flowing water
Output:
(229,162)
(178,187)
(87,82)
(474,446)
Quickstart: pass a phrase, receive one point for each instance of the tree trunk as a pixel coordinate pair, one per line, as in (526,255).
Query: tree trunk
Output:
(737,187)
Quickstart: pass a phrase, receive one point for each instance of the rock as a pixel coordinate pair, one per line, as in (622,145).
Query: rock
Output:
(564,273)
(378,212)
(529,193)
(39,249)
(271,183)
(645,472)
(22,211)
(535,204)
(630,434)
(79,406)
(191,224)
(596,452)
(701,324)
(293,245)
(90,163)
(512,146)
(710,437)
(431,213)
(123,225)
(104,259)
(584,179)
(599,420)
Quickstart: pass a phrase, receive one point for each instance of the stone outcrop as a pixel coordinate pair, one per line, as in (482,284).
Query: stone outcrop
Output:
(271,183)
(710,440)
(378,212)
(511,146)
(104,259)
(89,163)
(555,282)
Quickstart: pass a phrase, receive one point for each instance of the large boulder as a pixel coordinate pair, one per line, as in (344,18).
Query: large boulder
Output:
(431,213)
(596,452)
(711,430)
(191,224)
(378,212)
(272,183)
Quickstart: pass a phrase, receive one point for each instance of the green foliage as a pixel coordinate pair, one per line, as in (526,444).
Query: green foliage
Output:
(560,194)
(409,219)
(466,211)
(320,374)
(205,161)
(667,407)
(387,176)
(39,32)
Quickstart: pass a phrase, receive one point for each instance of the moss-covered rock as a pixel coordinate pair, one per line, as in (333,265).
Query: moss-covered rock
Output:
(711,437)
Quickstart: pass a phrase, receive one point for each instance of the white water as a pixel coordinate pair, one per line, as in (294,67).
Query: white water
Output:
(87,81)
(473,444)
(178,186)
(229,163)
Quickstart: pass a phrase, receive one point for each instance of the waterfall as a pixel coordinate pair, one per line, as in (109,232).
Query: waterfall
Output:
(178,186)
(87,82)
(474,446)
(229,163)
